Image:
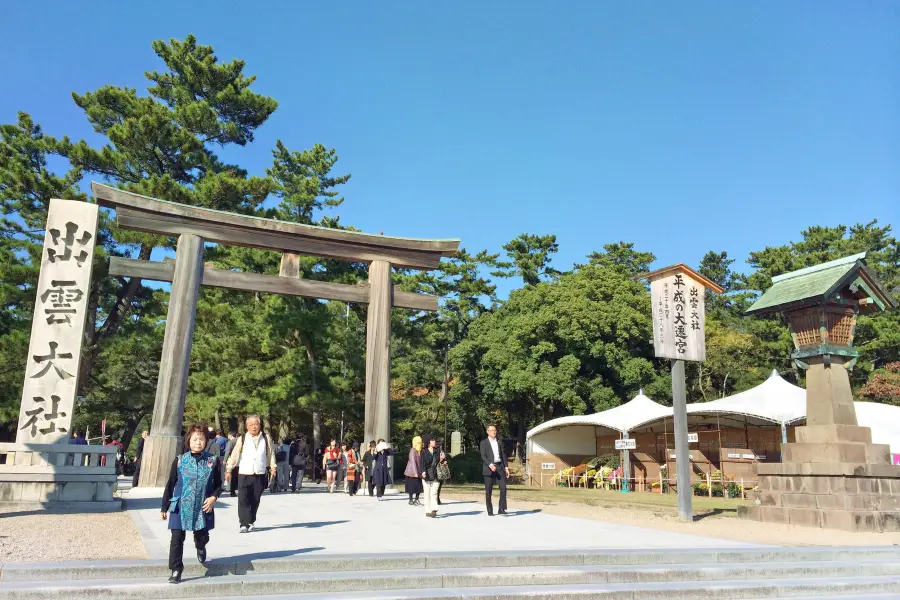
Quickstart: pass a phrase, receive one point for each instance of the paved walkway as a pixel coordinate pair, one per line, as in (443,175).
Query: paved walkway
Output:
(316,521)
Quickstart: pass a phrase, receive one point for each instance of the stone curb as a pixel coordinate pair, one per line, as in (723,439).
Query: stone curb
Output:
(131,569)
(420,586)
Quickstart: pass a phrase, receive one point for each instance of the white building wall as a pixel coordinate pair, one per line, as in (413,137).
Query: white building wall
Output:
(573,439)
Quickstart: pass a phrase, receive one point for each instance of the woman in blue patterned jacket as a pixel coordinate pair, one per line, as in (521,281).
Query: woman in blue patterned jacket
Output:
(195,482)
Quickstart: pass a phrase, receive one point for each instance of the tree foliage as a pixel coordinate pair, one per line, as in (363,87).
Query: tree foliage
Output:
(566,342)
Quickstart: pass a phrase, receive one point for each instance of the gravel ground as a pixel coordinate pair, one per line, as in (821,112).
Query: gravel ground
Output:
(38,536)
(725,526)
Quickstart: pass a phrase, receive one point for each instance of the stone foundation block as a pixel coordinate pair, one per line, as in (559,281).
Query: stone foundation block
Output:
(834,469)
(78,491)
(806,517)
(820,434)
(10,491)
(824,453)
(748,512)
(799,501)
(813,485)
(33,491)
(774,514)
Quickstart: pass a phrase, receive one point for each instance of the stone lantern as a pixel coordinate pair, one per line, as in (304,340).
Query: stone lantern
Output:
(833,476)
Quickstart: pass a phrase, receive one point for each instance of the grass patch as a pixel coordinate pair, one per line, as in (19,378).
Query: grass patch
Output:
(643,500)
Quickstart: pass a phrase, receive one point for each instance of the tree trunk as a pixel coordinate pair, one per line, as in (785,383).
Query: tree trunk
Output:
(314,389)
(520,436)
(317,429)
(128,431)
(219,420)
(95,337)
(284,429)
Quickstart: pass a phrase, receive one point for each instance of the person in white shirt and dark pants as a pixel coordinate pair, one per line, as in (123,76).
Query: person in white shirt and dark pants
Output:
(254,457)
(495,469)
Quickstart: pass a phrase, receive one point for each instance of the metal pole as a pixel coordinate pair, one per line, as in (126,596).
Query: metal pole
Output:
(342,427)
(446,390)
(682,453)
(626,463)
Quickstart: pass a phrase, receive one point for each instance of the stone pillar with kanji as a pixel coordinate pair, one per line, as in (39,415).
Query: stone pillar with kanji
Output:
(60,310)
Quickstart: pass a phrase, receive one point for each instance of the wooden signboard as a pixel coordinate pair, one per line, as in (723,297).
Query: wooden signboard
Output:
(678,296)
(678,317)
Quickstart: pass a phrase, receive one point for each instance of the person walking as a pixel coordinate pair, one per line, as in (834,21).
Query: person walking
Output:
(342,472)
(194,485)
(211,446)
(368,462)
(354,469)
(221,441)
(254,457)
(495,469)
(299,459)
(443,472)
(229,448)
(429,468)
(331,463)
(413,472)
(138,455)
(283,465)
(381,472)
(318,465)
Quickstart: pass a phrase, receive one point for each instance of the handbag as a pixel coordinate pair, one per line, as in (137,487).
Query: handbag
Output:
(443,471)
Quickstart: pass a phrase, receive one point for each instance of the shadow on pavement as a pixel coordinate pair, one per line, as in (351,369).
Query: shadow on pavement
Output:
(469,513)
(311,525)
(141,503)
(243,563)
(517,513)
(714,513)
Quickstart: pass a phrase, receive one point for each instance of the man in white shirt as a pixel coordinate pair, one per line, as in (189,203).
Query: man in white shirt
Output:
(254,457)
(495,469)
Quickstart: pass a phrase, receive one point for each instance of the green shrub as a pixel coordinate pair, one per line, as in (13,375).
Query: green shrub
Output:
(466,468)
(609,460)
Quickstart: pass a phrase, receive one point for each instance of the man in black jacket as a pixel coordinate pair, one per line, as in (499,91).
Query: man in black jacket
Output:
(495,469)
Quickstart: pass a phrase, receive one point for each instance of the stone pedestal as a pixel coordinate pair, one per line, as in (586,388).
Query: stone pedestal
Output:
(833,476)
(59,476)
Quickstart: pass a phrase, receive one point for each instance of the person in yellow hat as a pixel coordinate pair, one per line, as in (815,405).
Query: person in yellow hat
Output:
(413,472)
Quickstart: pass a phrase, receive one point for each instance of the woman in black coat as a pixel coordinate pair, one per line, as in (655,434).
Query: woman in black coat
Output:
(382,471)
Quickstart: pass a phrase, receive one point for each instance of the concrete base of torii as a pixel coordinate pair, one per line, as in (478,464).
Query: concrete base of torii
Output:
(833,476)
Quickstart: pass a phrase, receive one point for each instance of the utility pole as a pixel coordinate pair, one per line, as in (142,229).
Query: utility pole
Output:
(445,390)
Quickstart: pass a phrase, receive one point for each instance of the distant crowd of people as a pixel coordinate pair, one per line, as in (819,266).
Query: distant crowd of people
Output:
(246,465)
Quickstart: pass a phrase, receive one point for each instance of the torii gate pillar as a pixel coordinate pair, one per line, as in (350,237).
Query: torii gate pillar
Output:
(378,352)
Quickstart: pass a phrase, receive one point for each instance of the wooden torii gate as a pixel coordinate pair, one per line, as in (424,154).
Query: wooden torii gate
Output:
(194,226)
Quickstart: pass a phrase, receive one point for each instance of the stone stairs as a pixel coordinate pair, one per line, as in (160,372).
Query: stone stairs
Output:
(630,574)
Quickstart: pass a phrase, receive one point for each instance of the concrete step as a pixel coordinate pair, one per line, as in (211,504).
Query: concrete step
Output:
(326,563)
(801,578)
(838,588)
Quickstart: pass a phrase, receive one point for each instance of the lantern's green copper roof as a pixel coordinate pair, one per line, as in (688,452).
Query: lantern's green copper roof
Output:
(808,283)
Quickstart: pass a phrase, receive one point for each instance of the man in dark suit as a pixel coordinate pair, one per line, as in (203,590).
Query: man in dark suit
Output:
(495,469)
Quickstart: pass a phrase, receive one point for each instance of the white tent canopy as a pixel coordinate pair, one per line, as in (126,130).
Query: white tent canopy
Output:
(622,418)
(774,401)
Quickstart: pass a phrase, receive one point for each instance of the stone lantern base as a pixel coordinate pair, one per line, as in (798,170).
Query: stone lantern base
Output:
(832,477)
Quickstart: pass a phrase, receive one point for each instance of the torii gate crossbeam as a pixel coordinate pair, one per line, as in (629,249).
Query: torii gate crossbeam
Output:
(194,226)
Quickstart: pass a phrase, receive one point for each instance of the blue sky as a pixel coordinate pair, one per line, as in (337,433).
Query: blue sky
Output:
(682,127)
